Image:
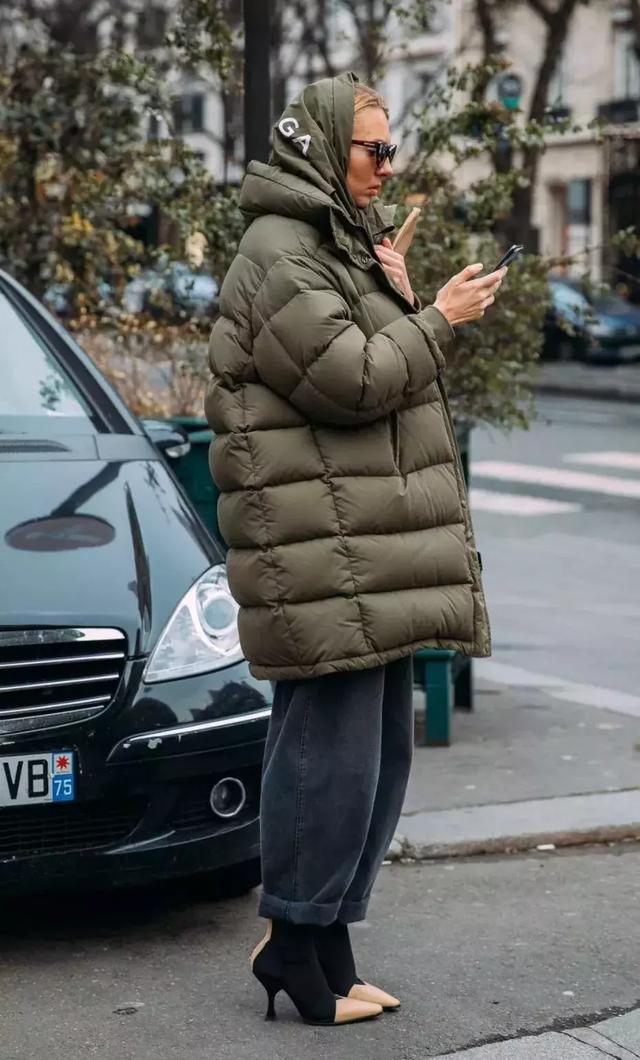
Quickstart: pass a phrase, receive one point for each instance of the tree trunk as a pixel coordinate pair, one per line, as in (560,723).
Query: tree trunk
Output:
(557,20)
(257,80)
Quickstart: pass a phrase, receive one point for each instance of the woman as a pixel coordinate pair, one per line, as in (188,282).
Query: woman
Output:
(344,506)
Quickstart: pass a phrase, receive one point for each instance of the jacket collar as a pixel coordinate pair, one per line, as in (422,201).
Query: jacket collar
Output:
(270,189)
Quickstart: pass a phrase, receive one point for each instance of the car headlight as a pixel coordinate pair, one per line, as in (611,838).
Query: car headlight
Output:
(202,633)
(602,329)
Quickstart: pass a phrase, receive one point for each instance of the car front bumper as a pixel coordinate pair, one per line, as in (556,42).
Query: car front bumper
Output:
(144,780)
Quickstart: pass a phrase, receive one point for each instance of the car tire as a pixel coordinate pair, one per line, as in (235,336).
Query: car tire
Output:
(565,350)
(231,882)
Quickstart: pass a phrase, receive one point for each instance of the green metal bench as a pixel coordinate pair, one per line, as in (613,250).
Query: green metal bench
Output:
(447,681)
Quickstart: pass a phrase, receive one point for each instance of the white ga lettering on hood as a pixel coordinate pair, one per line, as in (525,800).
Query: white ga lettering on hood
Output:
(287,127)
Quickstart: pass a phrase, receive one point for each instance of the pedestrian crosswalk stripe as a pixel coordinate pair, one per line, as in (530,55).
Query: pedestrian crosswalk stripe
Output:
(559,477)
(612,458)
(517,503)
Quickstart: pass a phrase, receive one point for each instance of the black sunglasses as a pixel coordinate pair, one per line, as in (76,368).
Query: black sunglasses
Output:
(381,150)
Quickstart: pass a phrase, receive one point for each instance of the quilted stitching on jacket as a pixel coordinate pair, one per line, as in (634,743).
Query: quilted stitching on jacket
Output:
(342,495)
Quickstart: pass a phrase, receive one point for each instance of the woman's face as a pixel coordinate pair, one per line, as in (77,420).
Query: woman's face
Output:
(364,177)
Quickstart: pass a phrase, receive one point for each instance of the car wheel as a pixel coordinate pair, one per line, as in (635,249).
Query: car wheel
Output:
(231,882)
(565,350)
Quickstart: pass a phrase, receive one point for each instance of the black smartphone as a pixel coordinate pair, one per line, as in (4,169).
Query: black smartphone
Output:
(510,256)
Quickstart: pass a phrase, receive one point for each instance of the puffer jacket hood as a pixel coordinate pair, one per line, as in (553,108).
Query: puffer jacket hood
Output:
(342,493)
(306,175)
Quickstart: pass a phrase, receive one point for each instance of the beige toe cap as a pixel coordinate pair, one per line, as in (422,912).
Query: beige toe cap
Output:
(367,992)
(349,1009)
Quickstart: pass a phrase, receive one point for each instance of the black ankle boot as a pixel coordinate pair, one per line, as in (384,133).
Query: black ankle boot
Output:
(286,959)
(335,954)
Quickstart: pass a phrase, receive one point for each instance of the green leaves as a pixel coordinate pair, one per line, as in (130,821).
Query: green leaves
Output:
(80,179)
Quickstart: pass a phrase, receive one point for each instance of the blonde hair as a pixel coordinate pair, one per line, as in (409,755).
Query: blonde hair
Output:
(364,96)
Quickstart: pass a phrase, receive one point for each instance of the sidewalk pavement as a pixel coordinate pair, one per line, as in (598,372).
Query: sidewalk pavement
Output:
(528,771)
(618,1037)
(524,770)
(608,382)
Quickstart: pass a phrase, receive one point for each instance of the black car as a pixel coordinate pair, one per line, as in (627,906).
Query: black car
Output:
(600,328)
(131,730)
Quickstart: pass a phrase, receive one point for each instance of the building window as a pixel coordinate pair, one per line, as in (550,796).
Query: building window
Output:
(151,27)
(558,85)
(188,113)
(417,82)
(626,66)
(153,128)
(579,202)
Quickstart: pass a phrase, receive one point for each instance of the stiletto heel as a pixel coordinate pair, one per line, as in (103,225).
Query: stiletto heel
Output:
(286,960)
(272,986)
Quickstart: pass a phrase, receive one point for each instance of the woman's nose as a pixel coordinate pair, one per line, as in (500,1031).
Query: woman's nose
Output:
(386,169)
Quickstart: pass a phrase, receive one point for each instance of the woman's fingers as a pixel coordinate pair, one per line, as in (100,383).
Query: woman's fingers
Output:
(467,273)
(488,281)
(389,256)
(395,267)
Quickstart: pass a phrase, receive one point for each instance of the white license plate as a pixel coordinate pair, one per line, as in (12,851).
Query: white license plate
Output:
(45,777)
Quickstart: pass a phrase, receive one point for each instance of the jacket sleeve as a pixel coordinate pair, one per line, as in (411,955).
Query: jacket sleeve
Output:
(308,349)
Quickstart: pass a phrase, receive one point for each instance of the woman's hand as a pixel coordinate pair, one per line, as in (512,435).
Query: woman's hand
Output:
(464,298)
(395,267)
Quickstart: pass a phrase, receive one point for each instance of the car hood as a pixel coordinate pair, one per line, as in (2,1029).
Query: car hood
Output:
(96,543)
(623,323)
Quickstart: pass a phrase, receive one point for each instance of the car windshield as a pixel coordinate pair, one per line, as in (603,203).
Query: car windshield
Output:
(36,395)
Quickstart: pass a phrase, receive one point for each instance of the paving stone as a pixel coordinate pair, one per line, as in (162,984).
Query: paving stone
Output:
(539,1047)
(591,1037)
(623,1030)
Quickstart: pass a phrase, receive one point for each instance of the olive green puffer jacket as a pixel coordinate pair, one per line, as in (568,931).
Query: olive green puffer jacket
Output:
(342,495)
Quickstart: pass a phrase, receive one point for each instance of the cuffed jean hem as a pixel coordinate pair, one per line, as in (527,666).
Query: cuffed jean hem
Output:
(311,912)
(298,912)
(350,912)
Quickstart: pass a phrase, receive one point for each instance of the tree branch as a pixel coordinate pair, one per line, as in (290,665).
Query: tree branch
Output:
(556,38)
(542,10)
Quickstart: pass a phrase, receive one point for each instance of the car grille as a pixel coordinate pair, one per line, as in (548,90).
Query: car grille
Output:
(52,676)
(51,829)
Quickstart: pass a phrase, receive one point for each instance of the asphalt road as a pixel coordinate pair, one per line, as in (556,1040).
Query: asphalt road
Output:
(563,586)
(477,950)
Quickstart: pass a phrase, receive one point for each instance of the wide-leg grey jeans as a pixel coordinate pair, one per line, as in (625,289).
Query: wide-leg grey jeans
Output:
(336,766)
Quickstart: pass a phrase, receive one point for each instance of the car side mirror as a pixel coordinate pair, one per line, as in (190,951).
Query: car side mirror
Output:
(169,438)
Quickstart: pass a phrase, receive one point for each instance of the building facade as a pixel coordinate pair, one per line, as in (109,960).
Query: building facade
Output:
(587,182)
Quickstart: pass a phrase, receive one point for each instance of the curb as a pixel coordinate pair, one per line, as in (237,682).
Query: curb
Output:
(403,848)
(600,394)
(509,827)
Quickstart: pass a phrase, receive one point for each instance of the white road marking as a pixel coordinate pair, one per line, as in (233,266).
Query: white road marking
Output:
(611,458)
(517,503)
(559,687)
(555,476)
